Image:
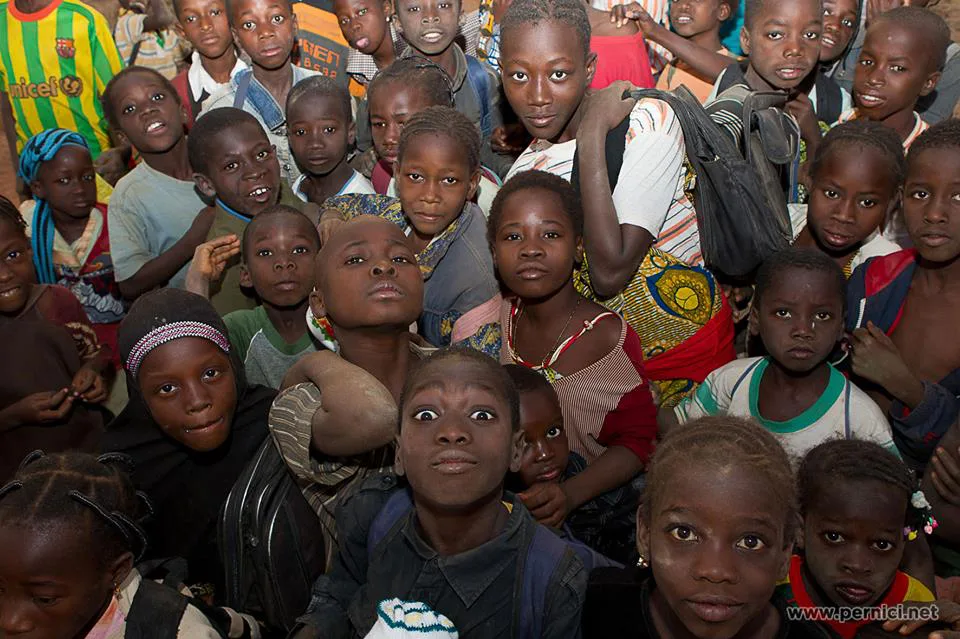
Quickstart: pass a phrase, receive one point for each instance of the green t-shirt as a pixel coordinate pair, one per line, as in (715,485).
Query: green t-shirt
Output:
(266,356)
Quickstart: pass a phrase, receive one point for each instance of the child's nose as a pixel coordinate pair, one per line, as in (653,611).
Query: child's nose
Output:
(14,620)
(715,564)
(857,561)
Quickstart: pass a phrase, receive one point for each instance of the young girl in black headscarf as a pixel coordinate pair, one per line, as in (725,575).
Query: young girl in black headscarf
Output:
(192,424)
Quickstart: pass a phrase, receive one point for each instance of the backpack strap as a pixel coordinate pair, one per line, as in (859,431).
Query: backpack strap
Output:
(613,148)
(243,86)
(134,53)
(156,612)
(392,512)
(543,556)
(477,76)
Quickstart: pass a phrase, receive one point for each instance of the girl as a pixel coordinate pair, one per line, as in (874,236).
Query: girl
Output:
(438,167)
(68,228)
(192,423)
(591,356)
(861,509)
(855,186)
(51,380)
(70,539)
(716,529)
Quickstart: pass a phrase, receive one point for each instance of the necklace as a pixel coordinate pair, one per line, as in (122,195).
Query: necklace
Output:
(545,363)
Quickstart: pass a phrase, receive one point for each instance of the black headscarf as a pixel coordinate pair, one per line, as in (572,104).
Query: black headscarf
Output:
(187,488)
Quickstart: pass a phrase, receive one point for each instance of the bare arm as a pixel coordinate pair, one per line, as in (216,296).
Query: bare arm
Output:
(941,485)
(614,468)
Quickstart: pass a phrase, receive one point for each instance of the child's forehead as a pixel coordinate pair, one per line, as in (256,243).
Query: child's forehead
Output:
(315,106)
(199,5)
(241,7)
(268,230)
(793,12)
(561,35)
(241,136)
(461,373)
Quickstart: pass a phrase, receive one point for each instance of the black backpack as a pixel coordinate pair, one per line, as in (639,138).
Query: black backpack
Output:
(271,543)
(740,197)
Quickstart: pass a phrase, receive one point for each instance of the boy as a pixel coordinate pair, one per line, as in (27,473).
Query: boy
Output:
(144,37)
(278,249)
(235,165)
(901,60)
(266,31)
(904,334)
(430,28)
(797,312)
(453,539)
(368,27)
(55,60)
(214,61)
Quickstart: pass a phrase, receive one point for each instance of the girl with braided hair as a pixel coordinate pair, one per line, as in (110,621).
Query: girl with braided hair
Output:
(70,540)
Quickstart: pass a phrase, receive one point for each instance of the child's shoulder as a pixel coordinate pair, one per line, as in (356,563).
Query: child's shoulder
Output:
(739,367)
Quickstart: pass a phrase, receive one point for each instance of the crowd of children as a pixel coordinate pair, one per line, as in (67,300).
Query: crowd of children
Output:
(446,346)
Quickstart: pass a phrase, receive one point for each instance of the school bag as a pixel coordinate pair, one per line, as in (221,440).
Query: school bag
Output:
(271,543)
(740,198)
(544,553)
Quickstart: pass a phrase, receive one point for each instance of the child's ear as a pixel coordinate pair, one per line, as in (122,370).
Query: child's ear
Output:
(178,29)
(516,451)
(753,320)
(387,9)
(245,281)
(643,535)
(120,568)
(37,190)
(930,83)
(398,457)
(316,304)
(591,66)
(578,252)
(351,133)
(474,184)
(204,185)
(723,12)
(745,40)
(121,137)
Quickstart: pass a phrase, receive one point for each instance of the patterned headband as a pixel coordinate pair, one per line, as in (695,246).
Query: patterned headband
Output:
(168,333)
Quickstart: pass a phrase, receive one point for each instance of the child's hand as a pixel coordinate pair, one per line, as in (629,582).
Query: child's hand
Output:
(330,220)
(942,611)
(112,164)
(606,109)
(510,140)
(89,386)
(547,503)
(945,475)
(877,359)
(39,408)
(209,261)
(623,13)
(801,108)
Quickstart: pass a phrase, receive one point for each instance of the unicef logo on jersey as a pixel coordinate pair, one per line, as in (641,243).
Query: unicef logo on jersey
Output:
(70,85)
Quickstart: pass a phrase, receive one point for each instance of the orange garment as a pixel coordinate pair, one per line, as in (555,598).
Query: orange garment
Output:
(678,72)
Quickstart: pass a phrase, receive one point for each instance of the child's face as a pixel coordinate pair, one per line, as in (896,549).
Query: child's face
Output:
(931,203)
(799,318)
(265,29)
(17,276)
(390,108)
(545,449)
(242,170)
(894,69)
(429,26)
(850,196)
(190,389)
(545,76)
(363,23)
(717,545)
(68,182)
(150,117)
(278,260)
(319,133)
(456,441)
(783,43)
(52,585)
(434,181)
(206,26)
(853,540)
(840,20)
(535,245)
(692,17)
(368,278)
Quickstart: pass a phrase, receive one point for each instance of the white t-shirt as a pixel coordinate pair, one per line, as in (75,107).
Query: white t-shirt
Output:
(843,410)
(650,189)
(356,184)
(874,246)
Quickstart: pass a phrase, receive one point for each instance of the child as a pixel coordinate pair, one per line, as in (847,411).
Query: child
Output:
(632,251)
(235,165)
(68,228)
(368,27)
(278,250)
(266,31)
(904,331)
(321,131)
(860,508)
(438,167)
(716,528)
(699,56)
(841,23)
(900,62)
(591,356)
(214,61)
(52,361)
(192,421)
(66,73)
(153,223)
(145,38)
(430,28)
(855,187)
(454,530)
(67,525)
(798,310)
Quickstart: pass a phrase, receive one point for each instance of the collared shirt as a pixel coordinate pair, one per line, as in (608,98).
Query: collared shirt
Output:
(363,68)
(202,82)
(261,104)
(478,590)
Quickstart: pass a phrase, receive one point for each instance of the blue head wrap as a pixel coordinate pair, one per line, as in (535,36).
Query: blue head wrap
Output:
(39,149)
